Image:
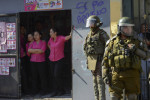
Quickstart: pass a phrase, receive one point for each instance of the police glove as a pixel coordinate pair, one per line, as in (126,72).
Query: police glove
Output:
(132,47)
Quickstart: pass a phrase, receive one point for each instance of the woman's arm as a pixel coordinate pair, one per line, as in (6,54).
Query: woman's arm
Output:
(68,37)
(27,47)
(38,51)
(35,51)
(48,46)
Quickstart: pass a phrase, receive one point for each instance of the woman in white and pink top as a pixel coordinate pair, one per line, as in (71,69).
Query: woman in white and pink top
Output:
(56,44)
(38,68)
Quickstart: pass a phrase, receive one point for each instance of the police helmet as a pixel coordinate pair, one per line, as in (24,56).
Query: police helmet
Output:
(93,20)
(124,22)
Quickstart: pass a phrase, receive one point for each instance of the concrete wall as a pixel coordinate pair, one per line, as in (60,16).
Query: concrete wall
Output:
(116,14)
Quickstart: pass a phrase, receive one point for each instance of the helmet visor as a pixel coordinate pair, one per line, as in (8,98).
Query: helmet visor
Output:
(125,24)
(127,30)
(90,22)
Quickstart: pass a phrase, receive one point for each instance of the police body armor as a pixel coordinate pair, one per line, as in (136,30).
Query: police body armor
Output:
(120,57)
(94,44)
(94,47)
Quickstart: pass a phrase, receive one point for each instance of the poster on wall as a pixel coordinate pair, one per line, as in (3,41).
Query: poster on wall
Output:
(11,27)
(4,70)
(11,36)
(10,62)
(11,45)
(3,37)
(2,62)
(5,63)
(32,5)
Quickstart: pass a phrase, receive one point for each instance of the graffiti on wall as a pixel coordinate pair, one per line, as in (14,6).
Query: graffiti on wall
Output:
(85,11)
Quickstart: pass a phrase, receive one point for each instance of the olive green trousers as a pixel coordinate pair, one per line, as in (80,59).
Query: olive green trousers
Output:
(99,85)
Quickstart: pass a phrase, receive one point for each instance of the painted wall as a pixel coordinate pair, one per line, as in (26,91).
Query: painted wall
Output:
(116,14)
(81,9)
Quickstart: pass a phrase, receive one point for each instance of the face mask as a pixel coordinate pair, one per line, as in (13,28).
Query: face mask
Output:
(93,29)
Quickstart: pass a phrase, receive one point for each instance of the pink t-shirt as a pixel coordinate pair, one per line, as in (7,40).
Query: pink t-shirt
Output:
(27,47)
(56,48)
(22,52)
(38,57)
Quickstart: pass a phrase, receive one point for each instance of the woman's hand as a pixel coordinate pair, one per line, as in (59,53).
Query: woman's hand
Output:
(35,51)
(69,36)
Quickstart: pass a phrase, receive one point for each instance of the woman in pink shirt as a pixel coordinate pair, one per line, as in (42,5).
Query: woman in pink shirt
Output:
(30,41)
(56,44)
(28,65)
(38,68)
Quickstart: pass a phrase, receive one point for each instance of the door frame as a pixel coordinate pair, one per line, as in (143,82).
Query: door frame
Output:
(16,55)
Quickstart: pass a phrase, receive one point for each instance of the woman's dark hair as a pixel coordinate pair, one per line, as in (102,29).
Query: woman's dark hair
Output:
(27,35)
(30,34)
(38,32)
(55,30)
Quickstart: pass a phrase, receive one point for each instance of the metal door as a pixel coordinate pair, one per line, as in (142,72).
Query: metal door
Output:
(9,72)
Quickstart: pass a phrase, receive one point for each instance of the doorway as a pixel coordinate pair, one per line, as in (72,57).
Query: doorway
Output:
(42,21)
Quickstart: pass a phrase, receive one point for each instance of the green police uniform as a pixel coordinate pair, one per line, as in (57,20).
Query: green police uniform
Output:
(122,66)
(125,65)
(94,50)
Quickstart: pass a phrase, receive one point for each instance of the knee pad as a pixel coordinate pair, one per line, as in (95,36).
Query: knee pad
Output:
(114,96)
(132,97)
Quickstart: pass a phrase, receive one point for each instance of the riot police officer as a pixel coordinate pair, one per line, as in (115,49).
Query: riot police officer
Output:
(121,65)
(94,49)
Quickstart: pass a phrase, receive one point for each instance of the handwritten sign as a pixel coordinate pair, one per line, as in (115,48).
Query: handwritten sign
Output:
(97,6)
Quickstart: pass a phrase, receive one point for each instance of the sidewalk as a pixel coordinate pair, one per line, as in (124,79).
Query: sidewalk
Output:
(46,97)
(41,99)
